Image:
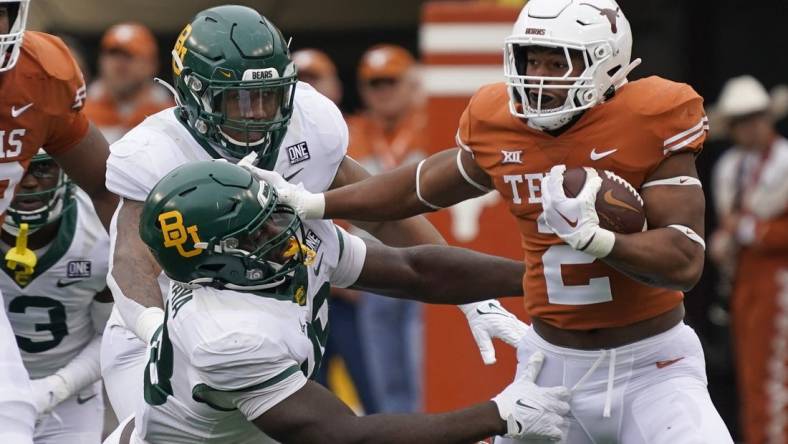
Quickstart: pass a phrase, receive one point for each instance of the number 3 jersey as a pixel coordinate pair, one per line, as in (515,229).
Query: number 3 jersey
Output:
(225,357)
(631,134)
(50,315)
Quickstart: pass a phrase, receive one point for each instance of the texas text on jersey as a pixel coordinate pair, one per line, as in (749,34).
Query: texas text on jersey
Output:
(647,121)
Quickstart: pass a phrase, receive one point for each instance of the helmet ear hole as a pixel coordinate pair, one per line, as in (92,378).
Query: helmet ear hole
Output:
(611,72)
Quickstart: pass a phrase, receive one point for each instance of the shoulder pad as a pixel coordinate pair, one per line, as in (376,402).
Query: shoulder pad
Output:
(52,54)
(654,95)
(493,94)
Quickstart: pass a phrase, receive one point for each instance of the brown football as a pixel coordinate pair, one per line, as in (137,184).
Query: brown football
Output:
(618,204)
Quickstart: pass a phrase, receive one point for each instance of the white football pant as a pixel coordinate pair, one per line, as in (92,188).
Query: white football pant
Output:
(123,360)
(652,391)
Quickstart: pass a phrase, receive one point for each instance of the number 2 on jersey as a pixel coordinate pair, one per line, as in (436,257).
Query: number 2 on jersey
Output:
(558,256)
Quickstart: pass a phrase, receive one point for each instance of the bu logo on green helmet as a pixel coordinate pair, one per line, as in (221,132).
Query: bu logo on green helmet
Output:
(211,223)
(234,83)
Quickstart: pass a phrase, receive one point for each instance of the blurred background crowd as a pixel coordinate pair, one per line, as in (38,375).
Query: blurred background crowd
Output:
(371,59)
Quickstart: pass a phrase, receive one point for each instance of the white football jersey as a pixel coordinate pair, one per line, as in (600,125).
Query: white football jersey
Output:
(50,315)
(310,153)
(225,357)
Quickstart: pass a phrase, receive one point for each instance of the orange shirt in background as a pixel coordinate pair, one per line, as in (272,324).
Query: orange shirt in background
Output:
(115,119)
(378,150)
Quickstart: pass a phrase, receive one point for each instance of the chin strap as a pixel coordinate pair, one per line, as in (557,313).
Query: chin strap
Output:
(620,77)
(21,255)
(169,88)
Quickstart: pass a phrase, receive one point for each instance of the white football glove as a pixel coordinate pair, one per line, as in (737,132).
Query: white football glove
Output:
(530,411)
(488,320)
(306,204)
(49,392)
(574,219)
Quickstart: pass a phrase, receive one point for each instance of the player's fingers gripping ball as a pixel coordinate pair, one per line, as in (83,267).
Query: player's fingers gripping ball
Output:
(585,206)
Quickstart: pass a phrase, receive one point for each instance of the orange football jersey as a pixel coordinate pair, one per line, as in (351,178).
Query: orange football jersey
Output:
(646,121)
(40,106)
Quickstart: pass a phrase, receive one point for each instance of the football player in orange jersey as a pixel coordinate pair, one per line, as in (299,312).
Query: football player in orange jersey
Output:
(43,94)
(607,308)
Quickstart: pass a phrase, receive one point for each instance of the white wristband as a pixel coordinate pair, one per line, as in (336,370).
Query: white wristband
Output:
(601,243)
(148,322)
(313,206)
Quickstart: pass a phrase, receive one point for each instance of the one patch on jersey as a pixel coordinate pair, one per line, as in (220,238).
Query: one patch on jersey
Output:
(78,269)
(312,240)
(298,153)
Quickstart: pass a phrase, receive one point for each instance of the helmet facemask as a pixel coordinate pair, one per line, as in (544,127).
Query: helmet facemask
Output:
(529,95)
(56,199)
(11,42)
(266,252)
(239,117)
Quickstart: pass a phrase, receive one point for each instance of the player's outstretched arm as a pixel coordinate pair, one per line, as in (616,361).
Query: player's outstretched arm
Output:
(86,165)
(415,230)
(439,181)
(522,410)
(439,274)
(133,275)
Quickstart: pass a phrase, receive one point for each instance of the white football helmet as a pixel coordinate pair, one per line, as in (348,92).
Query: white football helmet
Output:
(11,43)
(597,29)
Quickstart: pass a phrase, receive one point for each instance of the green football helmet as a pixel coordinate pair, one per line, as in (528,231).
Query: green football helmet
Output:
(57,199)
(234,82)
(211,223)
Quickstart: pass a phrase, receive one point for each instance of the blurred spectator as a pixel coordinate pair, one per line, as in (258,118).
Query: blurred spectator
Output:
(750,187)
(344,339)
(124,92)
(315,68)
(389,132)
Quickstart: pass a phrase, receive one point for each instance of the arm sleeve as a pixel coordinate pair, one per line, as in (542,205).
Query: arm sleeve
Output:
(248,372)
(683,125)
(85,368)
(352,254)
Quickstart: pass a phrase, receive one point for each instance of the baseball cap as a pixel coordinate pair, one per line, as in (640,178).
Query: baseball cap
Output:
(385,60)
(313,62)
(132,38)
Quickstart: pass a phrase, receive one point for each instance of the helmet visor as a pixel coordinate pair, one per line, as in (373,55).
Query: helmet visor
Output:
(250,112)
